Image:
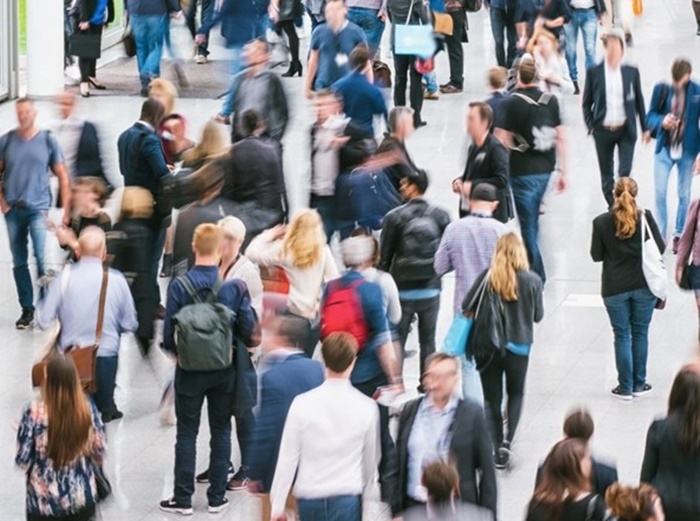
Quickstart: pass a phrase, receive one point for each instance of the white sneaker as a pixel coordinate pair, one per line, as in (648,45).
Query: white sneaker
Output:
(201,59)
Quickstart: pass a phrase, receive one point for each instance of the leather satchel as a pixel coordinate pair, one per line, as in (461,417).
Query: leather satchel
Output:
(84,357)
(443,23)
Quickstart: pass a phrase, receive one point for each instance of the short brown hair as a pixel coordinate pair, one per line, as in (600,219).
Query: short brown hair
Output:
(680,68)
(441,480)
(339,350)
(24,99)
(498,77)
(207,239)
(359,56)
(527,71)
(95,184)
(579,425)
(485,111)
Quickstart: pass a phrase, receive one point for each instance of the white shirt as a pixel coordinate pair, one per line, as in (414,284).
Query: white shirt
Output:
(68,132)
(582,4)
(614,97)
(331,442)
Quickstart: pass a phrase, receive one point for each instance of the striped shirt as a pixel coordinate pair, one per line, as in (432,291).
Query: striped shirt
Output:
(467,248)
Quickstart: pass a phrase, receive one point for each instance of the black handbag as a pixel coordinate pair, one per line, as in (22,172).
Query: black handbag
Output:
(129,41)
(85,45)
(487,339)
(104,487)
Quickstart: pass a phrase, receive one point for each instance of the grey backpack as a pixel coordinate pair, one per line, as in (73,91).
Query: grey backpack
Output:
(204,331)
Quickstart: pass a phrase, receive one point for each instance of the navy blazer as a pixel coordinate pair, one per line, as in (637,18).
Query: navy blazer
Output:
(141,158)
(594,102)
(656,114)
(284,380)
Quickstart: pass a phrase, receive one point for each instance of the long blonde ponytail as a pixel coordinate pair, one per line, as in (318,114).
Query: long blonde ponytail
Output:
(510,257)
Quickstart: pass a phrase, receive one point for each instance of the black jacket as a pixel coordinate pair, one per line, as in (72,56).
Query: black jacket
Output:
(276,113)
(594,99)
(86,8)
(470,448)
(88,160)
(490,164)
(392,239)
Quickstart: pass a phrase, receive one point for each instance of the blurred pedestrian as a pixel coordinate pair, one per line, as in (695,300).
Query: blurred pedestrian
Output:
(640,503)
(206,12)
(93,15)
(283,13)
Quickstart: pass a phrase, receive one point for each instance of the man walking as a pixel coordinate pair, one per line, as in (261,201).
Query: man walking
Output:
(673,120)
(330,48)
(410,237)
(287,374)
(330,443)
(453,43)
(533,131)
(370,16)
(612,102)
(217,383)
(503,17)
(584,17)
(73,299)
(27,154)
(149,20)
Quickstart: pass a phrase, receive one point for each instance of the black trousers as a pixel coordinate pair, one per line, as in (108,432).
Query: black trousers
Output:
(402,66)
(605,143)
(514,368)
(88,66)
(455,50)
(426,312)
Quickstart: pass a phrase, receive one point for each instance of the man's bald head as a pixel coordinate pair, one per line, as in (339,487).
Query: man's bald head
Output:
(92,242)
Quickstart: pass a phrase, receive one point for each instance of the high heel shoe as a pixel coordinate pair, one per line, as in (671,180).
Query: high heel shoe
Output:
(85,89)
(294,69)
(94,83)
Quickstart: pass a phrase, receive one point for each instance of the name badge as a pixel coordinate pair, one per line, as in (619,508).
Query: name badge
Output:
(341,60)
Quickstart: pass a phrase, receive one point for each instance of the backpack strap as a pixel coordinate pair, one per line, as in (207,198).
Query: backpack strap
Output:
(189,288)
(214,291)
(590,509)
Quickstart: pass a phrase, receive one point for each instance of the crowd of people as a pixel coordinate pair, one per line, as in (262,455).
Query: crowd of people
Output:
(296,324)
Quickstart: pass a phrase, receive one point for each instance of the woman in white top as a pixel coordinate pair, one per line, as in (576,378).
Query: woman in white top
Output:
(301,251)
(234,265)
(552,68)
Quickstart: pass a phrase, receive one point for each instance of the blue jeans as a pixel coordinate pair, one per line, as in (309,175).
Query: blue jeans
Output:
(371,25)
(502,20)
(106,373)
(471,381)
(431,84)
(22,223)
(663,164)
(528,192)
(585,20)
(236,67)
(149,32)
(191,388)
(630,314)
(337,508)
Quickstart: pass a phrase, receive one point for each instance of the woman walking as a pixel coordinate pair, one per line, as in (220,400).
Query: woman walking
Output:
(283,13)
(301,251)
(617,243)
(520,290)
(672,455)
(689,250)
(60,444)
(93,15)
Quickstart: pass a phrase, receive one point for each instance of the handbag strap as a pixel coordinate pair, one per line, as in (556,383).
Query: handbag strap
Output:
(101,308)
(410,13)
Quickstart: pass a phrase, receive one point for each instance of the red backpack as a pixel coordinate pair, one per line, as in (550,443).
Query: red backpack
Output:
(342,312)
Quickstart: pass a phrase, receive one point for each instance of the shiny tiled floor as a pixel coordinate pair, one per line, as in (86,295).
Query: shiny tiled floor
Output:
(572,360)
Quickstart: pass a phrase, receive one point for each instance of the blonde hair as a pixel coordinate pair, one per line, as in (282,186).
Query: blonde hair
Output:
(166,88)
(305,240)
(137,203)
(207,239)
(510,257)
(624,208)
(213,143)
(232,226)
(68,412)
(540,31)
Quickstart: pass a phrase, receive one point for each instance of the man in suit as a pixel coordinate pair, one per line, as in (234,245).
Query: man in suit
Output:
(612,100)
(287,374)
(446,428)
(673,120)
(498,78)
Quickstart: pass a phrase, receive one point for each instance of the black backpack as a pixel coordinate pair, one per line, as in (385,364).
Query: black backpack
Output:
(419,243)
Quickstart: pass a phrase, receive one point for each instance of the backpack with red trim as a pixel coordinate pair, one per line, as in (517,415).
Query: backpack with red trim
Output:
(342,311)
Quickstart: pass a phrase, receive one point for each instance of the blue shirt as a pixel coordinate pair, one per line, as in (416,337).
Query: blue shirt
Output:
(334,51)
(367,366)
(361,100)
(76,307)
(27,164)
(98,17)
(428,442)
(233,294)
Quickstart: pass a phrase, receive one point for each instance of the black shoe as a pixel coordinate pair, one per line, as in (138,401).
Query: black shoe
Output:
(170,505)
(676,242)
(577,91)
(115,415)
(419,124)
(621,393)
(294,69)
(698,31)
(239,481)
(167,269)
(144,92)
(221,507)
(204,476)
(641,391)
(26,320)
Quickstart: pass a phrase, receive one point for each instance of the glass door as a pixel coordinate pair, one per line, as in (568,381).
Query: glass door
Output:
(8,49)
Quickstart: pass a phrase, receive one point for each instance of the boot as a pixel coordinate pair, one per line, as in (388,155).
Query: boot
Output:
(295,68)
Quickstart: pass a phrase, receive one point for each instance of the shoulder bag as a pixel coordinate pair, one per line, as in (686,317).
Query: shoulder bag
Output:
(414,40)
(652,262)
(84,357)
(455,342)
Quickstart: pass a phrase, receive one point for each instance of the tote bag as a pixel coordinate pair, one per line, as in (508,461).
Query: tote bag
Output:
(414,40)
(653,263)
(455,342)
